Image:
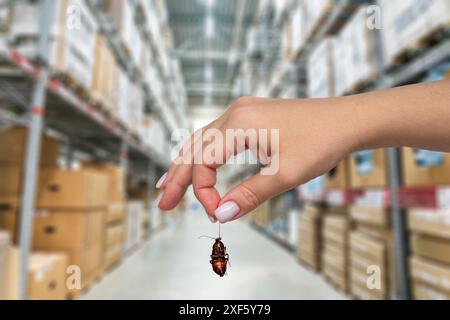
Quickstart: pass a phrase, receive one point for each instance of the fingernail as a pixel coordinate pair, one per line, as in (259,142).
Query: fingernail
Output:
(158,200)
(161,181)
(227,211)
(211,219)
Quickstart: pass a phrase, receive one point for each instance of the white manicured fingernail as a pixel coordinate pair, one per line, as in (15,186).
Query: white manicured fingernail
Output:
(161,181)
(158,200)
(227,211)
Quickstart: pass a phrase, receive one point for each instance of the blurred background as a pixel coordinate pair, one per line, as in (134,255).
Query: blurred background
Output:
(91,92)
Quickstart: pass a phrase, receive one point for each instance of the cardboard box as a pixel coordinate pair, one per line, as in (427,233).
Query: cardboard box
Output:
(336,277)
(433,248)
(417,175)
(336,222)
(82,188)
(14,143)
(115,212)
(47,276)
(369,169)
(113,255)
(430,222)
(134,228)
(373,216)
(12,273)
(338,177)
(424,292)
(433,274)
(8,222)
(339,238)
(114,235)
(4,247)
(11,186)
(406,22)
(320,70)
(336,261)
(62,230)
(361,292)
(116,177)
(72,42)
(366,246)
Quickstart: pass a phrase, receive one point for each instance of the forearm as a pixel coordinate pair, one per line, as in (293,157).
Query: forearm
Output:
(412,116)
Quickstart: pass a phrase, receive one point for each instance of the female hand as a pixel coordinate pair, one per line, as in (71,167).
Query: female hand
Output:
(314,135)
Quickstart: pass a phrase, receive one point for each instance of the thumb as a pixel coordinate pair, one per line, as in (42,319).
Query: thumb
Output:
(247,196)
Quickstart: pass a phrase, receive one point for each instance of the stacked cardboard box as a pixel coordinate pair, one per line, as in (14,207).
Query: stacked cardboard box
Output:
(354,49)
(407,22)
(4,247)
(114,220)
(46,276)
(310,246)
(372,272)
(335,231)
(430,262)
(70,219)
(134,229)
(338,177)
(105,73)
(369,169)
(320,70)
(72,37)
(12,157)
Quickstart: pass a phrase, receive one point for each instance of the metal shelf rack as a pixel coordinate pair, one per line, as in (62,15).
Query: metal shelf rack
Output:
(31,95)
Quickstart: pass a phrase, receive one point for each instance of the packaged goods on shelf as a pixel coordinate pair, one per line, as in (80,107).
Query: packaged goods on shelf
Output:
(115,212)
(424,292)
(5,241)
(425,168)
(78,233)
(82,188)
(320,70)
(431,274)
(105,73)
(116,180)
(354,48)
(155,134)
(335,230)
(430,222)
(379,217)
(309,237)
(369,169)
(408,24)
(72,40)
(121,97)
(372,248)
(14,142)
(114,235)
(293,33)
(437,249)
(47,276)
(315,12)
(135,210)
(122,14)
(113,255)
(339,176)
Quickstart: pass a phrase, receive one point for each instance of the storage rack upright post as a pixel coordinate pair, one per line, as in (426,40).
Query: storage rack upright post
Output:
(55,107)
(388,78)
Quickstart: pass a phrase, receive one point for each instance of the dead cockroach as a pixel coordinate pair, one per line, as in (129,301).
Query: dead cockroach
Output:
(219,256)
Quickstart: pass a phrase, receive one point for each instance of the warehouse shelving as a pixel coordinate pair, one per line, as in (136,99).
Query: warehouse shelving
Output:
(37,99)
(390,76)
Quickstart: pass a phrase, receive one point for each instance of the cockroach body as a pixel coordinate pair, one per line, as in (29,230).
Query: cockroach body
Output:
(219,258)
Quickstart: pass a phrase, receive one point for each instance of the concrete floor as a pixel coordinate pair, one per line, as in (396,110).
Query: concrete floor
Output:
(174,264)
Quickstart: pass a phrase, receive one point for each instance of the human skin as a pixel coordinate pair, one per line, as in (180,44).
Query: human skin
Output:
(315,134)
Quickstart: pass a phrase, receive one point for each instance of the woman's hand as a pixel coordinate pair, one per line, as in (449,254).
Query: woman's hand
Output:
(314,135)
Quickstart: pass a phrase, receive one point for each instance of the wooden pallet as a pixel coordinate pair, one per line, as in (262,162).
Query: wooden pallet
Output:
(410,52)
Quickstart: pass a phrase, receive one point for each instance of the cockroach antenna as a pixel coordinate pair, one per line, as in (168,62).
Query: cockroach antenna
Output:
(207,237)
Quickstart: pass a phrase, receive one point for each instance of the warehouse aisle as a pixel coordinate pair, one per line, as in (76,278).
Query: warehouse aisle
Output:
(174,264)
